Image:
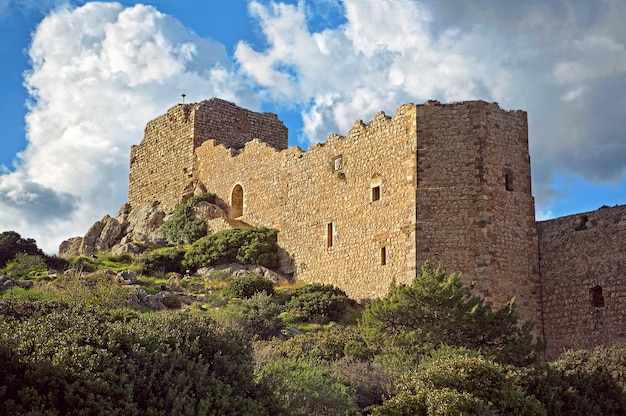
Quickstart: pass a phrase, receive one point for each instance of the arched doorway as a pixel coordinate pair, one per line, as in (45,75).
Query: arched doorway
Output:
(236,202)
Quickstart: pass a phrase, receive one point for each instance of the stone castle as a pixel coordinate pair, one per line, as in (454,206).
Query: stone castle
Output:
(449,183)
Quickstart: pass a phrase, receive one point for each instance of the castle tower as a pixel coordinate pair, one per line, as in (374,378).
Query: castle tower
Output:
(474,207)
(164,163)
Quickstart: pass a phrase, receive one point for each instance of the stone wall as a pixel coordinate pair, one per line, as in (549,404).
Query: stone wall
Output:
(301,193)
(447,183)
(475,211)
(583,267)
(163,164)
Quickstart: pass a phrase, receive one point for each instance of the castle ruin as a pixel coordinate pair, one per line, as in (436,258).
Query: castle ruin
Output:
(449,183)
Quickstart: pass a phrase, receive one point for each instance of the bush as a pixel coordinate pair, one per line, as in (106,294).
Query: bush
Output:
(24,264)
(260,316)
(163,261)
(436,309)
(460,383)
(182,227)
(249,245)
(77,362)
(12,243)
(247,286)
(307,387)
(319,303)
(582,383)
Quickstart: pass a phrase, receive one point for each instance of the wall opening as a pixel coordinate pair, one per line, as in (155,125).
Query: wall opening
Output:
(330,229)
(236,202)
(376,188)
(596,297)
(508,180)
(375,193)
(337,163)
(383,256)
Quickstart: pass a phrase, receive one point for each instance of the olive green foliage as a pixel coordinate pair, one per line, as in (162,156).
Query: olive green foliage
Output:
(12,243)
(182,227)
(248,285)
(435,310)
(457,383)
(319,303)
(249,245)
(163,261)
(328,345)
(67,361)
(582,383)
(306,386)
(260,316)
(24,264)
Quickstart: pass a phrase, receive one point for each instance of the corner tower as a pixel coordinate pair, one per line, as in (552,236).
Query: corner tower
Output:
(164,163)
(474,207)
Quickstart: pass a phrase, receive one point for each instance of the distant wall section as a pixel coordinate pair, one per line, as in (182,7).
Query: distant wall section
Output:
(583,270)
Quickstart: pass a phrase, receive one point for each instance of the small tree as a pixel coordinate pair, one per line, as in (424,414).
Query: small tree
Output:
(12,243)
(182,227)
(435,310)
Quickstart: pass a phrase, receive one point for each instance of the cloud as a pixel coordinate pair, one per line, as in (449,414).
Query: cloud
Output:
(99,73)
(563,62)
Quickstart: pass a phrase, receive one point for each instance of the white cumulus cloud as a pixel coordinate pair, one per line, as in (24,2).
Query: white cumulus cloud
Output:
(563,62)
(99,73)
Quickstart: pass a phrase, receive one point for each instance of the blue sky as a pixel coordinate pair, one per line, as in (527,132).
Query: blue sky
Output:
(80,80)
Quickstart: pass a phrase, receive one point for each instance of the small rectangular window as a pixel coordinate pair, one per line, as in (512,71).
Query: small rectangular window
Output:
(337,163)
(383,256)
(508,180)
(330,229)
(375,193)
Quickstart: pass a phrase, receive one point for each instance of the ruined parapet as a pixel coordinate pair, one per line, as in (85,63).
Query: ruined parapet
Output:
(164,162)
(583,273)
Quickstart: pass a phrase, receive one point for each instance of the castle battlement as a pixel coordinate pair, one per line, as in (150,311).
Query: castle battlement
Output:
(449,183)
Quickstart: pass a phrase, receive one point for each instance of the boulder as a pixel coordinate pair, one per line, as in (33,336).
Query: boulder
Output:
(127,277)
(109,234)
(70,247)
(6,283)
(238,270)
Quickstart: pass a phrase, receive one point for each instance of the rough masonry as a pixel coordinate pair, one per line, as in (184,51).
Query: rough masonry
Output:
(449,183)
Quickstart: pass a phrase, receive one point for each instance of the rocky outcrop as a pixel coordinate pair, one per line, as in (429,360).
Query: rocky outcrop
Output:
(103,235)
(135,230)
(238,270)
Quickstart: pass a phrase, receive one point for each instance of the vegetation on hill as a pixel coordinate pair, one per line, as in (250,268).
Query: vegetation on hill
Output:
(182,227)
(80,343)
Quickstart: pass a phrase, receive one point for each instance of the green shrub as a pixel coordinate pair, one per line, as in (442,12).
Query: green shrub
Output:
(319,303)
(248,285)
(438,309)
(79,362)
(582,383)
(328,345)
(182,227)
(260,316)
(24,264)
(248,245)
(460,383)
(307,387)
(163,261)
(12,243)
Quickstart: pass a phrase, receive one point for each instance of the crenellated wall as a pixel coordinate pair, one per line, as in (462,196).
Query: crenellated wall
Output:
(449,183)
(163,163)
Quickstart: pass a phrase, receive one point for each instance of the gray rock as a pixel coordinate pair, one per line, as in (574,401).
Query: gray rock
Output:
(6,283)
(127,277)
